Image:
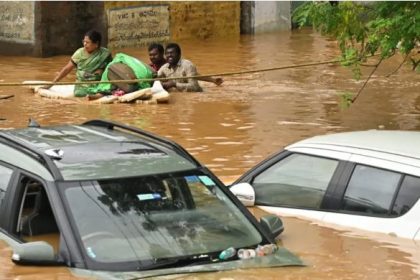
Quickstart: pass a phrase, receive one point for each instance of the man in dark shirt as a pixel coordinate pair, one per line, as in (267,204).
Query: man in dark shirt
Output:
(156,57)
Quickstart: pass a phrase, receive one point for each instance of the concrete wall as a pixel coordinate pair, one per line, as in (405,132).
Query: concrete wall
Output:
(272,16)
(162,21)
(17,28)
(46,28)
(63,25)
(265,16)
(203,20)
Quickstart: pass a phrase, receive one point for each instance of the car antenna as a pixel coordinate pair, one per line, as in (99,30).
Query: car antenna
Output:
(33,123)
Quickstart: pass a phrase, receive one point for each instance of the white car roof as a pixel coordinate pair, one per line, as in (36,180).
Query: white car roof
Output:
(387,142)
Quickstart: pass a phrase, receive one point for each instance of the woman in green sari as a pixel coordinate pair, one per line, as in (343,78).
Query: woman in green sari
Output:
(89,61)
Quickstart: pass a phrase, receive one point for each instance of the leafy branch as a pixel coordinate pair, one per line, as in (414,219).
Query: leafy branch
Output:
(363,29)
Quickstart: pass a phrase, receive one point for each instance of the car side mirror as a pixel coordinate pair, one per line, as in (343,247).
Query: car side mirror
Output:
(34,253)
(272,225)
(245,193)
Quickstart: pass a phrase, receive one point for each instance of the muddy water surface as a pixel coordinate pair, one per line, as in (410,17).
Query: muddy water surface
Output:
(232,127)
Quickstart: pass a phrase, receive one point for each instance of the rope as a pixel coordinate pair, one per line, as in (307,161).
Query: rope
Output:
(178,78)
(398,68)
(367,80)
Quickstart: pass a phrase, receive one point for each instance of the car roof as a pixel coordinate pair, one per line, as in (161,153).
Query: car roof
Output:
(390,142)
(99,150)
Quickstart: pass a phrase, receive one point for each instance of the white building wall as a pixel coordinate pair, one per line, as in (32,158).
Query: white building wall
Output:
(272,16)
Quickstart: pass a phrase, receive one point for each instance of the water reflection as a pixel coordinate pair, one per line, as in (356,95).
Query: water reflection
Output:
(232,127)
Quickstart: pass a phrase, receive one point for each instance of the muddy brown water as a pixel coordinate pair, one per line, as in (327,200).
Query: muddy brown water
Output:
(232,127)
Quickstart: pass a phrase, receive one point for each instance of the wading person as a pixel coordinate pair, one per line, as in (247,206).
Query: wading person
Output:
(156,56)
(89,61)
(177,67)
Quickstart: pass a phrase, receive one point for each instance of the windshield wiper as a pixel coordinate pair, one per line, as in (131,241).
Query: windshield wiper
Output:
(180,262)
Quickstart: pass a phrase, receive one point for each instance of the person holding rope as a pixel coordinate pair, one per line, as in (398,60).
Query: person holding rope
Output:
(177,67)
(89,61)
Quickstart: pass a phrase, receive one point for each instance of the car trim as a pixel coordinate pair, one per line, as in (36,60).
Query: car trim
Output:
(343,147)
(392,142)
(249,175)
(386,164)
(329,202)
(68,247)
(394,198)
(395,157)
(13,205)
(4,208)
(417,234)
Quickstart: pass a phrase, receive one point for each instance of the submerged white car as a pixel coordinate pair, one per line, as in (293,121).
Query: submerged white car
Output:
(367,179)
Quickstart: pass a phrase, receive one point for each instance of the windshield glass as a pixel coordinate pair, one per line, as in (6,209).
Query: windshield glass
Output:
(148,218)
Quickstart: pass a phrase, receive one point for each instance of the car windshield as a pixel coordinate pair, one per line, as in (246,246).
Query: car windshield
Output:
(151,218)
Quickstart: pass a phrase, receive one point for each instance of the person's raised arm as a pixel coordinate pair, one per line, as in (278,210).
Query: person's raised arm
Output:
(217,81)
(64,71)
(192,83)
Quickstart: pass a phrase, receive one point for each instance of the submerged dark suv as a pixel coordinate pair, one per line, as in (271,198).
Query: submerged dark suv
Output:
(105,196)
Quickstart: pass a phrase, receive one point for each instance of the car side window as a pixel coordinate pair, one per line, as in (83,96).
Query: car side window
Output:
(5,175)
(370,190)
(408,195)
(296,181)
(35,219)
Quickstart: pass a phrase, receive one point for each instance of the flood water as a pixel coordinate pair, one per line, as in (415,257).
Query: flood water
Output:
(232,127)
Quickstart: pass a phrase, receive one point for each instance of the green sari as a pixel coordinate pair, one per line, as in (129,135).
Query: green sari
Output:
(140,69)
(86,65)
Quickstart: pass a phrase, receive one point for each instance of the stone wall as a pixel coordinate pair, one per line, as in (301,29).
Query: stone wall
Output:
(133,24)
(46,28)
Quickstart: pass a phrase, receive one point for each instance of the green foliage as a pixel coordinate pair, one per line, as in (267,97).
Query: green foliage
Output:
(346,99)
(366,28)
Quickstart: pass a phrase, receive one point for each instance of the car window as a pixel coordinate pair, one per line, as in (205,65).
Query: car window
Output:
(298,180)
(5,175)
(370,190)
(35,219)
(407,196)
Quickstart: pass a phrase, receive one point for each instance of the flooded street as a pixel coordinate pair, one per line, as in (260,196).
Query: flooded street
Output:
(232,127)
